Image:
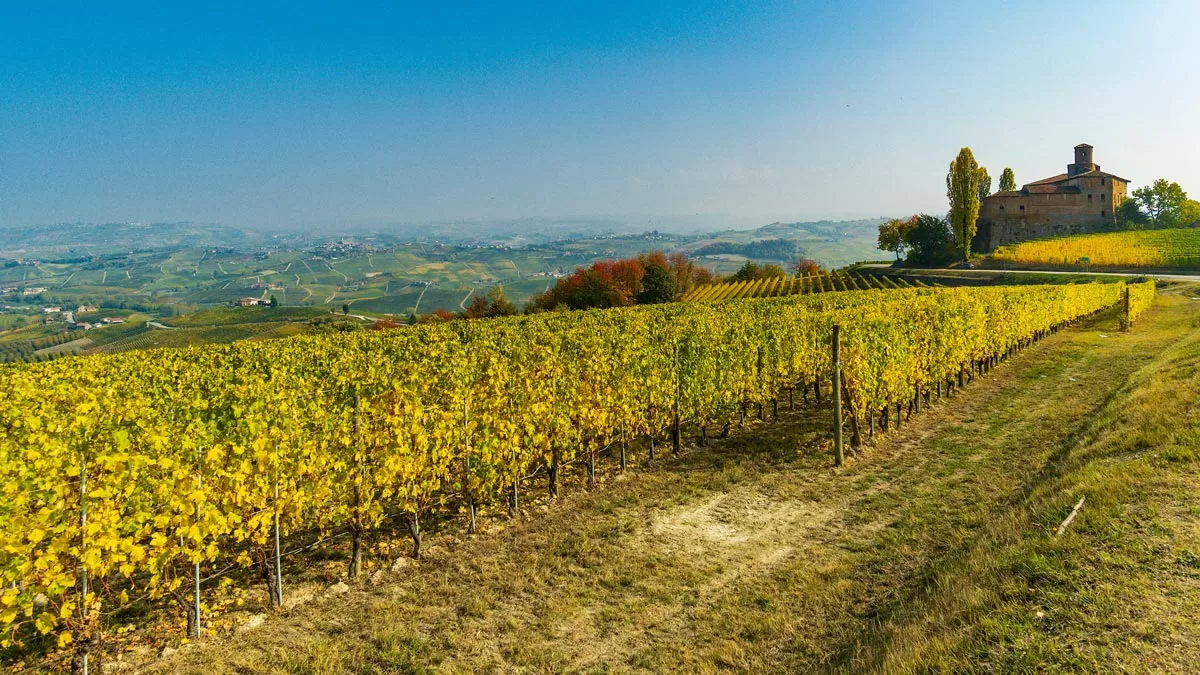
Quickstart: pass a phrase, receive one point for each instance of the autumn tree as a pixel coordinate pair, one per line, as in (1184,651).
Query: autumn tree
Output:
(649,278)
(962,189)
(436,316)
(805,267)
(477,309)
(1008,181)
(893,235)
(1163,202)
(683,270)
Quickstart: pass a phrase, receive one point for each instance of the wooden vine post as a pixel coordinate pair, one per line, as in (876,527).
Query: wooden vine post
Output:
(514,502)
(837,395)
(1127,323)
(196,564)
(85,643)
(278,557)
(675,440)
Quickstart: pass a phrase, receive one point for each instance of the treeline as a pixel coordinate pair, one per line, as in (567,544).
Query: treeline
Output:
(921,239)
(648,279)
(780,249)
(1162,204)
(752,271)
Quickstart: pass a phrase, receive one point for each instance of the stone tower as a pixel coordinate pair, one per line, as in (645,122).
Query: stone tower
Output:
(1083,161)
(1084,199)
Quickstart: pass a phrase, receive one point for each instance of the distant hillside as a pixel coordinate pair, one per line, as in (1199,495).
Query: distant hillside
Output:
(832,243)
(763,248)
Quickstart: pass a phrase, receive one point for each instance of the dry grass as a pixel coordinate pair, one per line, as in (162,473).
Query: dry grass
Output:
(931,551)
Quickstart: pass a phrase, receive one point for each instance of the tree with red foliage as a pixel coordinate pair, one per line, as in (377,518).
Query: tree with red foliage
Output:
(702,275)
(806,266)
(683,270)
(649,278)
(495,303)
(478,308)
(384,324)
(435,316)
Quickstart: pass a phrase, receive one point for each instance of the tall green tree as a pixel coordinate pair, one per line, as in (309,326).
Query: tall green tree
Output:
(1162,201)
(1190,213)
(1130,215)
(658,285)
(962,189)
(929,241)
(1008,180)
(985,183)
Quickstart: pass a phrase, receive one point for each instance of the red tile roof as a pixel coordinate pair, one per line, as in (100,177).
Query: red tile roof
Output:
(1052,189)
(1063,177)
(1052,179)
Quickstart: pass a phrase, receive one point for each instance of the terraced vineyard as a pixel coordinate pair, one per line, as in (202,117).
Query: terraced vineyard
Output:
(797,285)
(1176,248)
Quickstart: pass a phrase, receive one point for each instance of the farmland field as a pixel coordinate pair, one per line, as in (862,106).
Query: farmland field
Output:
(377,273)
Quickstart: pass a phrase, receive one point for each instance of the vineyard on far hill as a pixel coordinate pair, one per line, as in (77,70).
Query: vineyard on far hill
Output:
(1173,248)
(797,285)
(128,478)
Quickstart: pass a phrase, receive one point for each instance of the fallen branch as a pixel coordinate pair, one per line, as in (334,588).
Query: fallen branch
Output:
(1075,511)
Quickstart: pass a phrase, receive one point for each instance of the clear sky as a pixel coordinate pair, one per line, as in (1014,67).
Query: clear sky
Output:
(300,113)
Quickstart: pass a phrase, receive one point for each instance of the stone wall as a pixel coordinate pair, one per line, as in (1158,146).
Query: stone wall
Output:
(1015,217)
(996,232)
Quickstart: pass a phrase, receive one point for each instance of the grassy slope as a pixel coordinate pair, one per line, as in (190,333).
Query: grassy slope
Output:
(931,551)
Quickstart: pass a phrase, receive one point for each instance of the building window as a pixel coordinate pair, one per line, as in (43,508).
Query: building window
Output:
(1022,207)
(1001,207)
(1102,182)
(1089,198)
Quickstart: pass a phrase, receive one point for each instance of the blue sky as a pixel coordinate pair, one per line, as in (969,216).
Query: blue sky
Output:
(298,114)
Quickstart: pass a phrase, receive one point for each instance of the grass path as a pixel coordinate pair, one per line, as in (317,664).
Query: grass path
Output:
(310,270)
(417,307)
(930,551)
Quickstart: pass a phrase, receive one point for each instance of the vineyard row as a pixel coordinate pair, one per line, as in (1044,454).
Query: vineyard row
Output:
(128,473)
(823,282)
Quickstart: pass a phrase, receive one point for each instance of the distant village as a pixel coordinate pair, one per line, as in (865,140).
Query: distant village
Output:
(53,315)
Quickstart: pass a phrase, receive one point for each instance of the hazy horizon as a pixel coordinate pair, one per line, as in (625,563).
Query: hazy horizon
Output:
(300,115)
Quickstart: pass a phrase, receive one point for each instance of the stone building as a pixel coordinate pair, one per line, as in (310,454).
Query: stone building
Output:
(1084,199)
